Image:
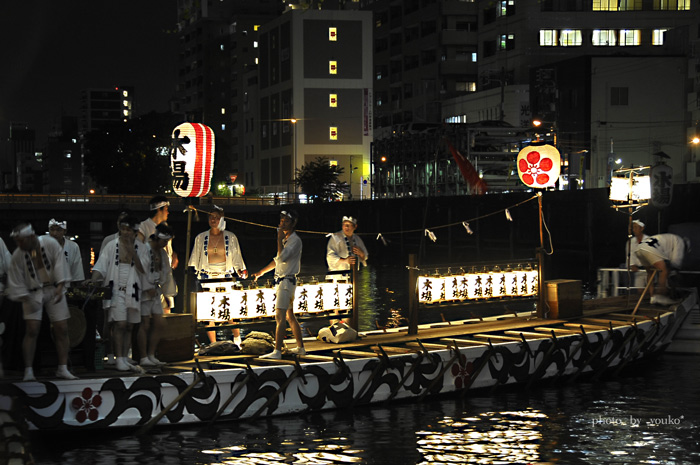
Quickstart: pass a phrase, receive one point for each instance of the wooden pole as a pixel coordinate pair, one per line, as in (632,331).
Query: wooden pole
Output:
(540,259)
(412,295)
(355,317)
(187,293)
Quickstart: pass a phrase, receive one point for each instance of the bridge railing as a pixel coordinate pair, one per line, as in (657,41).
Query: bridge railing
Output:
(115,199)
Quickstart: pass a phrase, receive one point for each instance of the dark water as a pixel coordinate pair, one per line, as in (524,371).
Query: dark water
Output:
(648,415)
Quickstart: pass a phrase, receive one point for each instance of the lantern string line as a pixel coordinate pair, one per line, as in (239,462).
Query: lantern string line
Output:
(421,230)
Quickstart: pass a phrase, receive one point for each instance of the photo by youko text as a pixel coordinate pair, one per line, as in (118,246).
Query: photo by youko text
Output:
(634,421)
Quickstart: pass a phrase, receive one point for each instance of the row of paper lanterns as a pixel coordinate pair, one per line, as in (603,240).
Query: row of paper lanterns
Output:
(477,285)
(227,301)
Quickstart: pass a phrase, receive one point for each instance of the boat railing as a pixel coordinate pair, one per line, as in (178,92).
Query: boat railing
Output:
(613,282)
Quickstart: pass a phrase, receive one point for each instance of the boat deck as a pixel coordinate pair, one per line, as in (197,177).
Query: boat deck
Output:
(598,314)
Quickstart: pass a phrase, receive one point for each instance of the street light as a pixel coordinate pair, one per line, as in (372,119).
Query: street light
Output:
(294,150)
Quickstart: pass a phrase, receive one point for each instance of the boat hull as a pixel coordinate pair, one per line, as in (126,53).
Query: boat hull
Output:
(246,391)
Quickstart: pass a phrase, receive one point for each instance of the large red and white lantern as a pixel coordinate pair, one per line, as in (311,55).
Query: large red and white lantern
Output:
(192,159)
(539,165)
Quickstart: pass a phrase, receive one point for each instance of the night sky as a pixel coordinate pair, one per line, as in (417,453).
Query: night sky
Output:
(51,49)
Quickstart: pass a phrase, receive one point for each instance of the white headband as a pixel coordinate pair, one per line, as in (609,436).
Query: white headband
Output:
(222,221)
(161,204)
(350,219)
(162,235)
(60,224)
(24,232)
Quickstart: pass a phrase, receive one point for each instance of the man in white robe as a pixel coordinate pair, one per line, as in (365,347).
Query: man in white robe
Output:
(36,278)
(216,254)
(119,268)
(57,230)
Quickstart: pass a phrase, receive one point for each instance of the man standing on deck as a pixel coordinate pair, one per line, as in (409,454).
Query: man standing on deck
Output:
(36,278)
(57,230)
(286,264)
(119,268)
(344,248)
(216,254)
(159,207)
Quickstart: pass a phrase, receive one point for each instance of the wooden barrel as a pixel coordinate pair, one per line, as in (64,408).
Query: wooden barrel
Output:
(177,343)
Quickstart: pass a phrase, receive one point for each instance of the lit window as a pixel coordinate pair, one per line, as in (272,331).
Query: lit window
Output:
(125,103)
(332,34)
(256,27)
(630,37)
(333,162)
(474,57)
(126,112)
(506,42)
(125,93)
(333,67)
(255,44)
(223,110)
(333,100)
(223,127)
(221,47)
(548,37)
(604,37)
(333,133)
(570,38)
(256,60)
(467,86)
(657,36)
(68,154)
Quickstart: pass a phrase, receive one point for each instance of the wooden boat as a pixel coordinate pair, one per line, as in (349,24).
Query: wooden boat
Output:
(380,366)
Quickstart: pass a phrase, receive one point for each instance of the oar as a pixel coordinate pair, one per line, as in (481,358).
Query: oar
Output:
(639,302)
(542,367)
(636,350)
(584,342)
(446,367)
(383,363)
(593,355)
(274,396)
(199,376)
(476,372)
(611,357)
(250,374)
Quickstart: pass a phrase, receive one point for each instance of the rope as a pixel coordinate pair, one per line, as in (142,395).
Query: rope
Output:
(421,230)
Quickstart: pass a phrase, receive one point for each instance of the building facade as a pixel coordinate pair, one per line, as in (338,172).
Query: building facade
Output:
(315,101)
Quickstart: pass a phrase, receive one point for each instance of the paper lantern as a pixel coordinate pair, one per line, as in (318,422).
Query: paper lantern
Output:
(431,289)
(261,302)
(539,165)
(345,292)
(192,159)
(661,185)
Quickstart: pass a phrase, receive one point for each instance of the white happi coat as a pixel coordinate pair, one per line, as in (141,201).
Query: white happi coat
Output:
(199,259)
(71,250)
(5,257)
(108,266)
(338,249)
(161,280)
(23,279)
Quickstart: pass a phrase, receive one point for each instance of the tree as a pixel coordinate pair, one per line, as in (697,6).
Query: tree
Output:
(318,179)
(132,157)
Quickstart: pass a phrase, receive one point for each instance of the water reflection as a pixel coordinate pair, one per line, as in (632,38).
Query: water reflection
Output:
(490,437)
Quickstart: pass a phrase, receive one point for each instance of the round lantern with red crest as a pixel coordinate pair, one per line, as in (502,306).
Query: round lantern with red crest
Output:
(539,165)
